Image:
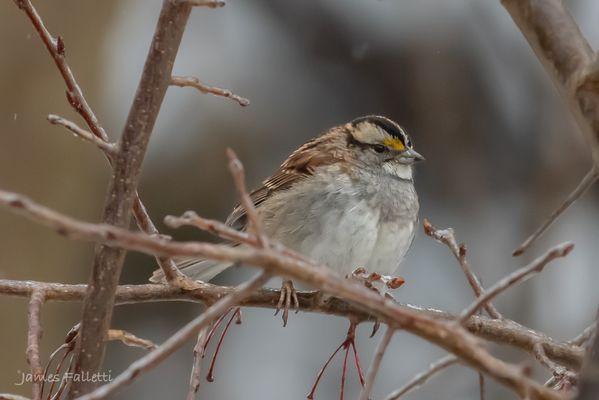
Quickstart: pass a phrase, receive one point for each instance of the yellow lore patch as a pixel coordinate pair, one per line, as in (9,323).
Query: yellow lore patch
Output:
(394,144)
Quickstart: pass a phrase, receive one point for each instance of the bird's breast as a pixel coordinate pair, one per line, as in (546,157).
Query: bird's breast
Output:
(345,222)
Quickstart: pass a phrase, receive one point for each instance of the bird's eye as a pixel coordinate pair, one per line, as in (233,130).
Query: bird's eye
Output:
(379,148)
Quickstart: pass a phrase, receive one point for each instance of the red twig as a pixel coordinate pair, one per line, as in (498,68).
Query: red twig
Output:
(321,372)
(210,376)
(344,373)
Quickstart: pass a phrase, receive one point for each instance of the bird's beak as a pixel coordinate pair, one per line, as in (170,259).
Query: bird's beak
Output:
(410,156)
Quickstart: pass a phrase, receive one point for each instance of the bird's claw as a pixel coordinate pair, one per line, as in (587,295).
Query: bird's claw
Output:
(288,295)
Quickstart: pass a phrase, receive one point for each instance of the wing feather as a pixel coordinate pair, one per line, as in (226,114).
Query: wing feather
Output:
(301,164)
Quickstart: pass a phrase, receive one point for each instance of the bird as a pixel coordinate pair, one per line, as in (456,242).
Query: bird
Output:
(344,199)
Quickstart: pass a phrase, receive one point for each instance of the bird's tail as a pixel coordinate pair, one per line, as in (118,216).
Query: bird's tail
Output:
(196,269)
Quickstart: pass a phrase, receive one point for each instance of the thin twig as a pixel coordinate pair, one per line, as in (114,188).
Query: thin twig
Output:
(222,230)
(34,335)
(447,237)
(589,179)
(424,376)
(376,364)
(129,339)
(516,277)
(10,396)
(481,386)
(204,3)
(190,81)
(108,148)
(238,173)
(584,336)
(56,49)
(155,357)
(196,368)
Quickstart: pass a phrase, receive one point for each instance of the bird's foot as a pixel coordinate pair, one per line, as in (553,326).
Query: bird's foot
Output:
(288,295)
(235,315)
(347,345)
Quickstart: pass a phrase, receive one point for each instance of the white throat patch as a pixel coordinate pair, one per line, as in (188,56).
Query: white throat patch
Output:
(401,171)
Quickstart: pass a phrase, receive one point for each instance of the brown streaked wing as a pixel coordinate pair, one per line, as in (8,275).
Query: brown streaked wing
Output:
(300,165)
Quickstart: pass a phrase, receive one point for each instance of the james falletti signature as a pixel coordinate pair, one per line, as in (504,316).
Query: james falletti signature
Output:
(28,377)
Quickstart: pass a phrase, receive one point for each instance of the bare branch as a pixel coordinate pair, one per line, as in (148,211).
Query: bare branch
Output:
(108,148)
(9,396)
(516,277)
(129,339)
(447,237)
(376,364)
(567,57)
(584,336)
(155,357)
(481,386)
(589,179)
(76,99)
(190,81)
(56,49)
(196,368)
(190,218)
(108,261)
(503,331)
(204,3)
(447,335)
(589,376)
(422,377)
(557,370)
(34,335)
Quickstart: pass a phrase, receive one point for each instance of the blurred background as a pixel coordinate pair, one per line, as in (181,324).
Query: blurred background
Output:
(501,146)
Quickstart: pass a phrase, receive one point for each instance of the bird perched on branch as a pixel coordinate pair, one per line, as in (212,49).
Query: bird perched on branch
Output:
(345,199)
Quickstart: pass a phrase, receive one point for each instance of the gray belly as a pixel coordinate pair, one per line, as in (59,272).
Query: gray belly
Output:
(345,225)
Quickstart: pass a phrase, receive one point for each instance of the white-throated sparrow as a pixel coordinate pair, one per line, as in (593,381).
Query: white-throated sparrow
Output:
(346,199)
